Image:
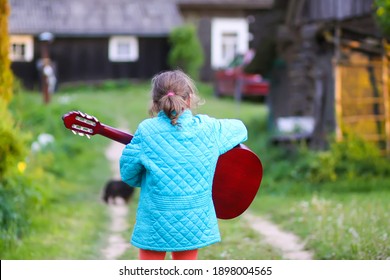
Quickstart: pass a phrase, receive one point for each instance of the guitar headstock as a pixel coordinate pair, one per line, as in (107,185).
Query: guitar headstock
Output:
(81,123)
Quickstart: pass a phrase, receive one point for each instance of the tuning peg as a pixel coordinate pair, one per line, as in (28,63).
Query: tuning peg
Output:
(89,137)
(81,134)
(74,132)
(82,114)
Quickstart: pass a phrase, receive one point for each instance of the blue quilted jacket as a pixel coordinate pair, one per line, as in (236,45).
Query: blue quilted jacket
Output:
(174,166)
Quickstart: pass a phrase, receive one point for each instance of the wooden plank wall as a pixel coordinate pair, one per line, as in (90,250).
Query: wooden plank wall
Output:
(362,99)
(335,9)
(386,89)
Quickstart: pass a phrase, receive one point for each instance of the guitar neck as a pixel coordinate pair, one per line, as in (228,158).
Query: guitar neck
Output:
(115,134)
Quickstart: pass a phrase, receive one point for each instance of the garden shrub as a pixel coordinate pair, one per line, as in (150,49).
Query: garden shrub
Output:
(350,159)
(186,51)
(12,150)
(6,76)
(23,180)
(11,141)
(382,15)
(20,195)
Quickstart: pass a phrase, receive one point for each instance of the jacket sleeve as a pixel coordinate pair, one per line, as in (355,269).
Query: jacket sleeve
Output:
(229,133)
(130,165)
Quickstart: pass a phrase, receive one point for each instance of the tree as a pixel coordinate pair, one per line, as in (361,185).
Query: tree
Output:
(6,77)
(382,15)
(186,51)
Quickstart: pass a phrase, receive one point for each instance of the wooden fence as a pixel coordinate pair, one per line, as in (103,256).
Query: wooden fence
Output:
(363,99)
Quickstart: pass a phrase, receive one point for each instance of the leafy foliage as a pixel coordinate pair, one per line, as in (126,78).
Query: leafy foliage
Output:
(186,52)
(20,188)
(11,146)
(6,76)
(382,15)
(350,159)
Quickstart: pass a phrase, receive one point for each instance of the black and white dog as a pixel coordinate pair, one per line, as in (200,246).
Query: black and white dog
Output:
(117,188)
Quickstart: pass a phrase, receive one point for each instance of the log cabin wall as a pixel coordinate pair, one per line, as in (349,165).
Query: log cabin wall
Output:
(303,77)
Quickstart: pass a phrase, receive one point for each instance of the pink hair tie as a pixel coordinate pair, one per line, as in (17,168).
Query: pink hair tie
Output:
(170,93)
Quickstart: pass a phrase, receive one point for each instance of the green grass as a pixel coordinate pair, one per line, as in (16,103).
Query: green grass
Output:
(64,230)
(71,223)
(239,242)
(130,104)
(333,225)
(343,218)
(74,223)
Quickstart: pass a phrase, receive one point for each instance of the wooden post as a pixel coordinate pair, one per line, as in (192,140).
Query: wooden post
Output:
(338,85)
(386,93)
(338,100)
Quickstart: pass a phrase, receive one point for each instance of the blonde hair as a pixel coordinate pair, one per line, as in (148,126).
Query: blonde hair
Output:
(173,92)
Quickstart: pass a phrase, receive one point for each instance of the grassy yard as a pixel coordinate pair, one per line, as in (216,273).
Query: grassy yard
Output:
(74,224)
(334,226)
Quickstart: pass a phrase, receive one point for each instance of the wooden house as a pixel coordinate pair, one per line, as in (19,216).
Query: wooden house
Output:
(93,39)
(227,27)
(98,39)
(331,68)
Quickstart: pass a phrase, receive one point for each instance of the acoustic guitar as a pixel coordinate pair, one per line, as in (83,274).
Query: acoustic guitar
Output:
(237,176)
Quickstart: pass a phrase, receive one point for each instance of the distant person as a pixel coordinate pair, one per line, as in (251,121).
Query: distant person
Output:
(45,66)
(172,157)
(48,71)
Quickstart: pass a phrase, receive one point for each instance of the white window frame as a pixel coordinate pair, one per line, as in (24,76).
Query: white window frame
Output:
(22,40)
(221,26)
(113,49)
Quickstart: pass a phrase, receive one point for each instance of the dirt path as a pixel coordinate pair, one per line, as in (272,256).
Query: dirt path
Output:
(289,244)
(116,244)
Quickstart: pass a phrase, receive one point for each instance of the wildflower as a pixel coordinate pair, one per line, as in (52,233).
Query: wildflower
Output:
(21,166)
(380,12)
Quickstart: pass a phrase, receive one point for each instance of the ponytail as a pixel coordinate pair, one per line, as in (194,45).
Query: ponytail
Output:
(173,92)
(173,106)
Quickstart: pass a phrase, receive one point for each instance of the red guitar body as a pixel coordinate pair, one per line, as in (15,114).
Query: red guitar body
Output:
(237,176)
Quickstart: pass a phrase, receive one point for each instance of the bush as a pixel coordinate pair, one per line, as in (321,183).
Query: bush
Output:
(351,159)
(16,194)
(382,15)
(186,51)
(12,221)
(11,145)
(23,179)
(6,76)
(21,194)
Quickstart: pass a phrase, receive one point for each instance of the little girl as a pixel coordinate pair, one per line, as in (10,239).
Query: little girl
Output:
(172,157)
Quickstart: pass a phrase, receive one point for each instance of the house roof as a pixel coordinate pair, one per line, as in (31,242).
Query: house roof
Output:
(227,4)
(303,11)
(94,17)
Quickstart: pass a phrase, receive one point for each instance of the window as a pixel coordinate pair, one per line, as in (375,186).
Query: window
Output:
(21,48)
(229,37)
(123,49)
(229,46)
